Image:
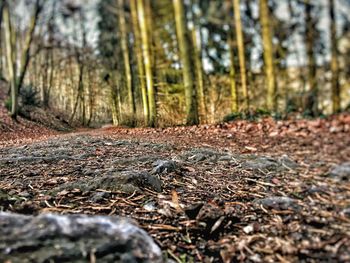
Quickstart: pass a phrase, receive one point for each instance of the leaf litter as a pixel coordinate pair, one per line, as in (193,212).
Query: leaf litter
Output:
(261,191)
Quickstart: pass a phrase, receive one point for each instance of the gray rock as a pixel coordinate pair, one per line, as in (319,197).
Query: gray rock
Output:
(346,212)
(256,162)
(136,160)
(279,203)
(100,196)
(288,162)
(142,179)
(38,159)
(74,238)
(127,182)
(314,189)
(203,154)
(261,163)
(164,166)
(341,171)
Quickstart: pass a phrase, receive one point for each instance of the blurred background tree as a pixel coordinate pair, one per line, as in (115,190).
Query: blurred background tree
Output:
(174,62)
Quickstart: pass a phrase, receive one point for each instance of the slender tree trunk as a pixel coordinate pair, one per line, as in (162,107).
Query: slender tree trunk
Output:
(1,66)
(241,53)
(115,117)
(10,61)
(334,59)
(80,94)
(140,65)
(199,75)
(51,78)
(146,51)
(231,46)
(187,67)
(271,100)
(28,41)
(91,97)
(234,93)
(114,101)
(126,58)
(80,60)
(312,101)
(50,58)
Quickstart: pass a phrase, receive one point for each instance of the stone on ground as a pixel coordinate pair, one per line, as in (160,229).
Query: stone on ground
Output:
(341,171)
(74,238)
(127,182)
(279,203)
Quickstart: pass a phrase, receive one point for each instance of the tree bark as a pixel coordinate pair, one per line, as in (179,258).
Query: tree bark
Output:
(312,102)
(146,51)
(187,66)
(10,61)
(241,53)
(1,51)
(334,59)
(271,99)
(126,58)
(140,65)
(233,84)
(28,41)
(199,75)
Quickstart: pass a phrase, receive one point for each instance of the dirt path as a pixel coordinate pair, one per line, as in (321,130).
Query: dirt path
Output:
(255,192)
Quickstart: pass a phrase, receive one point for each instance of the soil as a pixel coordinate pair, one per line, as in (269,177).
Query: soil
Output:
(242,191)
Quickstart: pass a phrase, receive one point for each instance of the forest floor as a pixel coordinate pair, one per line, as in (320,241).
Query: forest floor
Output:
(258,191)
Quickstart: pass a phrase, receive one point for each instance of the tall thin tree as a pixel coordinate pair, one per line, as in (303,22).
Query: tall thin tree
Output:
(231,46)
(198,62)
(146,51)
(140,64)
(334,58)
(271,99)
(187,65)
(312,102)
(126,58)
(241,52)
(10,60)
(28,42)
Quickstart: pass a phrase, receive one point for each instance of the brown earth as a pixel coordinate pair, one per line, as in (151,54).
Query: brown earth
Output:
(241,191)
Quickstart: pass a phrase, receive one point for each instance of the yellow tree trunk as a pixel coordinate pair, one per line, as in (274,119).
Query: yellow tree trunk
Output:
(334,60)
(241,53)
(126,58)
(187,66)
(140,66)
(271,99)
(199,75)
(1,51)
(146,51)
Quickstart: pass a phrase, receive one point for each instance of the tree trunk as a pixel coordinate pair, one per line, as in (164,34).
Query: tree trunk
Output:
(126,58)
(312,100)
(199,75)
(1,66)
(140,65)
(80,94)
(271,100)
(10,61)
(334,59)
(234,93)
(187,66)
(28,41)
(241,53)
(50,58)
(146,51)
